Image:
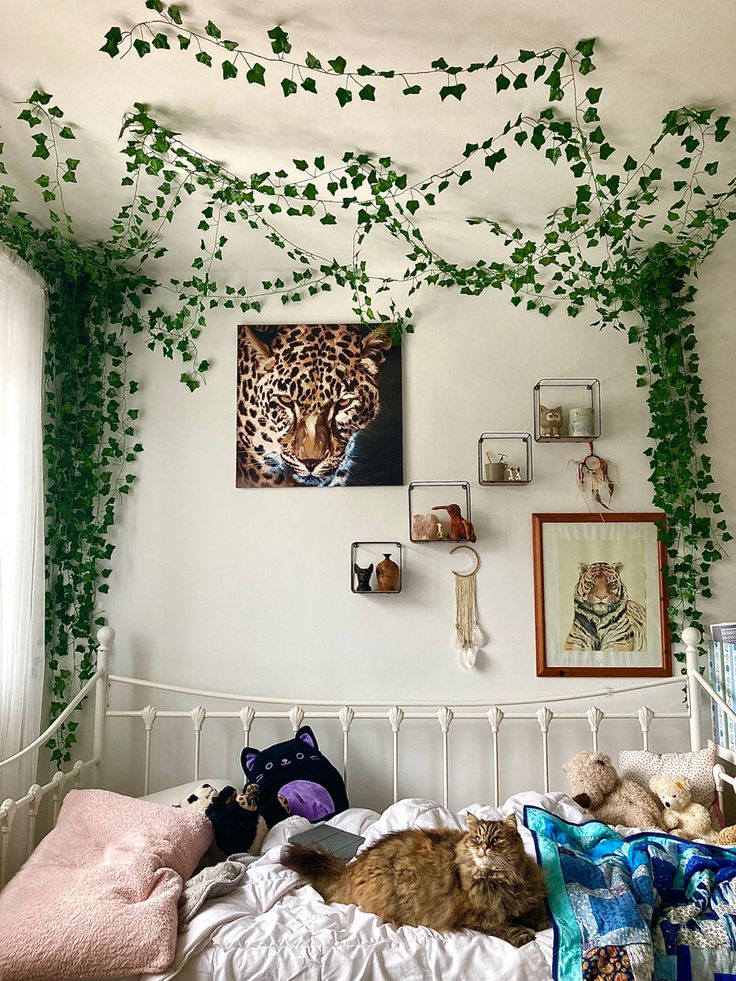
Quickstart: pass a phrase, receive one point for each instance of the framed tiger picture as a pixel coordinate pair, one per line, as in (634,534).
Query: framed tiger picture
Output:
(600,599)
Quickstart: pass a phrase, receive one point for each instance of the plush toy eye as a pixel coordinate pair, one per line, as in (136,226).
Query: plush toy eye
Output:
(269,766)
(300,756)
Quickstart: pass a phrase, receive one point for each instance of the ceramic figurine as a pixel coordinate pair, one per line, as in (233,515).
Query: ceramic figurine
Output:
(550,421)
(364,578)
(387,574)
(461,530)
(426,528)
(514,473)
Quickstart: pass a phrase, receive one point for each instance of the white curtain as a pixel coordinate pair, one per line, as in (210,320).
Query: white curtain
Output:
(22,323)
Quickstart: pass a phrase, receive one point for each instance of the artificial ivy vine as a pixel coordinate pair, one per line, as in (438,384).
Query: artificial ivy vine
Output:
(627,242)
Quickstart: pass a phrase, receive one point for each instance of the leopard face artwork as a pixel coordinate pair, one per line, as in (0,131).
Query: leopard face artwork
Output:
(318,405)
(605,619)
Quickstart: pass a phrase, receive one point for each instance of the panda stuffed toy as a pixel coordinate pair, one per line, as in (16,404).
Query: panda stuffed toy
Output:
(294,777)
(236,823)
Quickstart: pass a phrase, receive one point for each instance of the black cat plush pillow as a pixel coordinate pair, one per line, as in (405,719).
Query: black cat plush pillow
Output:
(293,777)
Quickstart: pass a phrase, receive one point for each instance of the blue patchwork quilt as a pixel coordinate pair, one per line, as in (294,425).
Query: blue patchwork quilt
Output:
(643,907)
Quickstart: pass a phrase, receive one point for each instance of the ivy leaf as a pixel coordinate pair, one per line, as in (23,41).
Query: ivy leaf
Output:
(279,41)
(456,91)
(309,85)
(184,41)
(175,14)
(229,70)
(301,165)
(711,168)
(257,74)
(328,219)
(343,96)
(525,55)
(112,42)
(593,95)
(212,30)
(203,58)
(597,135)
(160,41)
(142,47)
(464,178)
(586,47)
(311,62)
(520,81)
(630,163)
(721,132)
(412,207)
(367,93)
(495,158)
(288,87)
(502,82)
(338,65)
(411,90)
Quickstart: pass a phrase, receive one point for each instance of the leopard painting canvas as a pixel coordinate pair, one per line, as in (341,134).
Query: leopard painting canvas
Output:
(318,405)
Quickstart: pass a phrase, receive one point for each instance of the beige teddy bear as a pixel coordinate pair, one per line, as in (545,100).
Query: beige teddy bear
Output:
(596,786)
(682,815)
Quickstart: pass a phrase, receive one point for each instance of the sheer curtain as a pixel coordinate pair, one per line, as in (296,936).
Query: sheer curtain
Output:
(22,321)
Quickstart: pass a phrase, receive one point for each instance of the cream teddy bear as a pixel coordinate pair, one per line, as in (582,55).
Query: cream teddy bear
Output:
(681,814)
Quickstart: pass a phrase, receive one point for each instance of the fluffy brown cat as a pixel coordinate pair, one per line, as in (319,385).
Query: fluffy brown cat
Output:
(443,879)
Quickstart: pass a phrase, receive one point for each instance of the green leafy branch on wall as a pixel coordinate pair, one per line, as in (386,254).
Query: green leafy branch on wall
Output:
(626,242)
(169,31)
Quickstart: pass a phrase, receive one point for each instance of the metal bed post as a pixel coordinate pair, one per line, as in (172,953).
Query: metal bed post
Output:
(691,639)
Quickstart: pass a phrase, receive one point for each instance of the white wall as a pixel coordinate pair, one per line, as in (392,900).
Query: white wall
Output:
(247,590)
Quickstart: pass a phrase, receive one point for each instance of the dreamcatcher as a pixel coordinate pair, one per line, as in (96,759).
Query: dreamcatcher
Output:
(594,481)
(468,637)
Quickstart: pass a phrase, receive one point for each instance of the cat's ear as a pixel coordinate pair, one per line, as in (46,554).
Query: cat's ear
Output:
(582,567)
(248,758)
(510,822)
(543,409)
(306,736)
(472,822)
(261,347)
(375,345)
(558,410)
(617,566)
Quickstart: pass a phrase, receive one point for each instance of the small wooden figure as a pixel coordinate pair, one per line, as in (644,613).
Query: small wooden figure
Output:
(550,421)
(461,530)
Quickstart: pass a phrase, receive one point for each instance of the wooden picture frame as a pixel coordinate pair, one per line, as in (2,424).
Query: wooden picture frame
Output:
(600,599)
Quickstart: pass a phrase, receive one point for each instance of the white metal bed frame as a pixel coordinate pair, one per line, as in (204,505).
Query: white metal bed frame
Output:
(461,710)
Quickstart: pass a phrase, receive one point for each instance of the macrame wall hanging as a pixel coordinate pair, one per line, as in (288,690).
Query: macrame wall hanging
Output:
(593,481)
(468,637)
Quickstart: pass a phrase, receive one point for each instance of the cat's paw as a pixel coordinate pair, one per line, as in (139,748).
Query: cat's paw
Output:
(518,936)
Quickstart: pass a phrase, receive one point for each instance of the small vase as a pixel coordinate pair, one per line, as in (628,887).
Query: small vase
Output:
(387,574)
(580,421)
(497,472)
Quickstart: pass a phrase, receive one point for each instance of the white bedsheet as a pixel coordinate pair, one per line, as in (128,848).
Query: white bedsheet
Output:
(274,928)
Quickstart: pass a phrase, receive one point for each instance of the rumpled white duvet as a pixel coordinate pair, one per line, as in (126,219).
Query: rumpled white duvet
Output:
(277,928)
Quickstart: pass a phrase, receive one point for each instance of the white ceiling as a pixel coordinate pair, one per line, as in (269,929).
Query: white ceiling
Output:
(651,57)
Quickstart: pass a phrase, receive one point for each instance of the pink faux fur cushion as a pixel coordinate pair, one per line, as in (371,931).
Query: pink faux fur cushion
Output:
(98,897)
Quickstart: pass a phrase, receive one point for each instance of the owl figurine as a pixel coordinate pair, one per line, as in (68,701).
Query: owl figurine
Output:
(550,421)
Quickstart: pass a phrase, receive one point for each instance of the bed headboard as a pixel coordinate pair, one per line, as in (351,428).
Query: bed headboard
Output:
(247,708)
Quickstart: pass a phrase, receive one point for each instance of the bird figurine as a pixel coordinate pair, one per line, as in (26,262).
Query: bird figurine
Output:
(460,529)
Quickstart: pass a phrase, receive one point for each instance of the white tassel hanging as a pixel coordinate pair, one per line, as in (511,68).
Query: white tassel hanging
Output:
(468,637)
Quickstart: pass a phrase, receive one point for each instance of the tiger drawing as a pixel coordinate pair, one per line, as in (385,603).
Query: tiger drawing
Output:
(605,618)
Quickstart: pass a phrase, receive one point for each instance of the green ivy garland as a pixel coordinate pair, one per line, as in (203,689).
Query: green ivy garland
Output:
(627,243)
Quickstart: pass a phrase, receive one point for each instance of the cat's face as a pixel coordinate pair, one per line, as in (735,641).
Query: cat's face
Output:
(494,844)
(282,763)
(551,417)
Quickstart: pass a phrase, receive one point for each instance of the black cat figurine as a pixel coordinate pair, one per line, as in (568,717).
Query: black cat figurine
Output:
(364,578)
